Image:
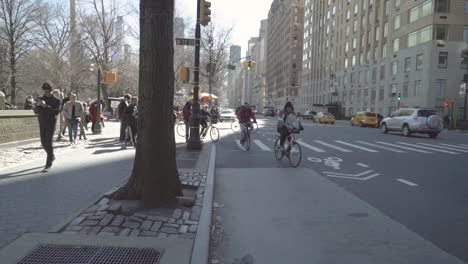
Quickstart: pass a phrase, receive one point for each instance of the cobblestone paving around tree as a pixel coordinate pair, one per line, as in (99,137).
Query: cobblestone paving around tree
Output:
(105,217)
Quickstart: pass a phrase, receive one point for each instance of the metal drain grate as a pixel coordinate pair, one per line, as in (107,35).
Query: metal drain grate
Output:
(72,254)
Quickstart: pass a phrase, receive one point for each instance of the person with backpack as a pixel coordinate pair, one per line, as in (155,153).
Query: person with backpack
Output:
(123,116)
(186,113)
(287,122)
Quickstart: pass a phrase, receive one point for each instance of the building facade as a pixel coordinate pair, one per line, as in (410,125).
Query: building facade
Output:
(233,90)
(361,55)
(284,52)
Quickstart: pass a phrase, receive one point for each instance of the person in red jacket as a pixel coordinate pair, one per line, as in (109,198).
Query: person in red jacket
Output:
(245,116)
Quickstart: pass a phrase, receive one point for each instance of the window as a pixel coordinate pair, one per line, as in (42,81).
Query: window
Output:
(374,74)
(385,30)
(420,36)
(356,9)
(420,10)
(387,5)
(382,72)
(347,46)
(397,3)
(373,95)
(440,85)
(346,63)
(408,64)
(394,68)
(377,33)
(443,59)
(347,30)
(384,50)
(397,22)
(354,43)
(348,14)
(419,62)
(405,89)
(354,60)
(381,93)
(393,89)
(361,58)
(440,32)
(355,25)
(442,6)
(396,45)
(466,6)
(417,88)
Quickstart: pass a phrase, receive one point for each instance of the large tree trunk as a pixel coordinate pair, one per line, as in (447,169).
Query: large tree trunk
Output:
(154,179)
(12,74)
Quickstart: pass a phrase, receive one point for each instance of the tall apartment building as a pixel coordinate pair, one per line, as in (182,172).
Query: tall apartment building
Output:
(257,51)
(362,54)
(234,92)
(284,51)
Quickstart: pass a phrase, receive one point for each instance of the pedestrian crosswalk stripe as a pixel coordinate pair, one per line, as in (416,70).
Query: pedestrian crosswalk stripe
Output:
(454,146)
(434,149)
(261,145)
(403,147)
(332,146)
(382,147)
(356,146)
(309,146)
(442,147)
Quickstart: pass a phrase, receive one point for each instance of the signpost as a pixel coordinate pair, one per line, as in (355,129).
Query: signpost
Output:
(185,42)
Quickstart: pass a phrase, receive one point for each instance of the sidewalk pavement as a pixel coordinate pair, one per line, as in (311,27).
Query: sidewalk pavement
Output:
(296,216)
(70,200)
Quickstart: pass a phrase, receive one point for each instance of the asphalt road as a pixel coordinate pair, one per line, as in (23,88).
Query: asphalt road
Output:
(418,182)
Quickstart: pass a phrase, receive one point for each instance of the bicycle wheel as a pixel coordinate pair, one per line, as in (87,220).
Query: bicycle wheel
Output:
(181,129)
(254,128)
(295,155)
(214,134)
(247,142)
(235,126)
(278,153)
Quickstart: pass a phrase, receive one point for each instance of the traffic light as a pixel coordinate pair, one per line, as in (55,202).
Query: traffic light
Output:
(399,97)
(249,65)
(184,74)
(446,103)
(205,12)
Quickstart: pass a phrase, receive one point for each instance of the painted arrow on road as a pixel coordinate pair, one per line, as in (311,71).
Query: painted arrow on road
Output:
(364,176)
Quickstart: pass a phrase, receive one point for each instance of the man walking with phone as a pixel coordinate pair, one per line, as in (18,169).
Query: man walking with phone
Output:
(47,108)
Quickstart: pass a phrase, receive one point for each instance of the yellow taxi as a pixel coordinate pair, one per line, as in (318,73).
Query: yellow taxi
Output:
(326,118)
(364,119)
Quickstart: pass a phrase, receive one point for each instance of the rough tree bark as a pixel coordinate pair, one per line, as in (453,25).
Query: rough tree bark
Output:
(154,179)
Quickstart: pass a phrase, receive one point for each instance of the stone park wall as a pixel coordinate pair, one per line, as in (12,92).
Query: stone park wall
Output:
(18,125)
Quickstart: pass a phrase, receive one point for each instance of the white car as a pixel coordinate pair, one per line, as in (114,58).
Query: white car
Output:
(413,120)
(227,114)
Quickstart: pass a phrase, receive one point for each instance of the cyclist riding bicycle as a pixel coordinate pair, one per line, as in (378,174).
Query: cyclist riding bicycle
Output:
(204,121)
(287,122)
(245,115)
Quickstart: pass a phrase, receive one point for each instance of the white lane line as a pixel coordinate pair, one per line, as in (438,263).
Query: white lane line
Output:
(309,146)
(434,149)
(454,146)
(332,146)
(407,182)
(382,147)
(442,147)
(261,145)
(398,146)
(356,146)
(239,144)
(362,165)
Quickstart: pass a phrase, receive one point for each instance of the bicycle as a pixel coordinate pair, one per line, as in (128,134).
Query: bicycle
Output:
(235,126)
(245,136)
(180,128)
(214,132)
(292,149)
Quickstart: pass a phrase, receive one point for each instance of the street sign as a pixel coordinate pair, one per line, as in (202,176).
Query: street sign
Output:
(185,42)
(463,89)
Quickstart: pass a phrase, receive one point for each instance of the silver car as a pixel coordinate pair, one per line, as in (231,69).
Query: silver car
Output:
(413,120)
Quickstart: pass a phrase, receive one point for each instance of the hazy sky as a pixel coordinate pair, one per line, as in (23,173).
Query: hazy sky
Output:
(244,15)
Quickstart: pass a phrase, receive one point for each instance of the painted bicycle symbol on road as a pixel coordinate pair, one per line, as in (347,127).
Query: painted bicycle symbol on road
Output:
(333,162)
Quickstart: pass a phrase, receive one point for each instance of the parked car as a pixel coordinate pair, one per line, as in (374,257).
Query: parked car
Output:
(365,119)
(326,118)
(269,112)
(411,120)
(309,115)
(227,114)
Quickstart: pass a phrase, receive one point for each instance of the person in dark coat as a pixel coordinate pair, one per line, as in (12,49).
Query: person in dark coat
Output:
(47,108)
(29,103)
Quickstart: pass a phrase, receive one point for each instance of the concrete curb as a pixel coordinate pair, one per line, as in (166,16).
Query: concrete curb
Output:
(201,246)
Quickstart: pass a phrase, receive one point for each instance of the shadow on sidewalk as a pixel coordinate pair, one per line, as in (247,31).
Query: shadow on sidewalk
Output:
(21,173)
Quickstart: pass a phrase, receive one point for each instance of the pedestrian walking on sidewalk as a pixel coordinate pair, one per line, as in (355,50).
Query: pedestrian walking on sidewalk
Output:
(47,108)
(123,116)
(186,113)
(84,120)
(132,112)
(72,112)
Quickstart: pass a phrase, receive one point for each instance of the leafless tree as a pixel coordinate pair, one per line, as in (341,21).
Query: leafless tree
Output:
(155,179)
(221,39)
(17,21)
(97,20)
